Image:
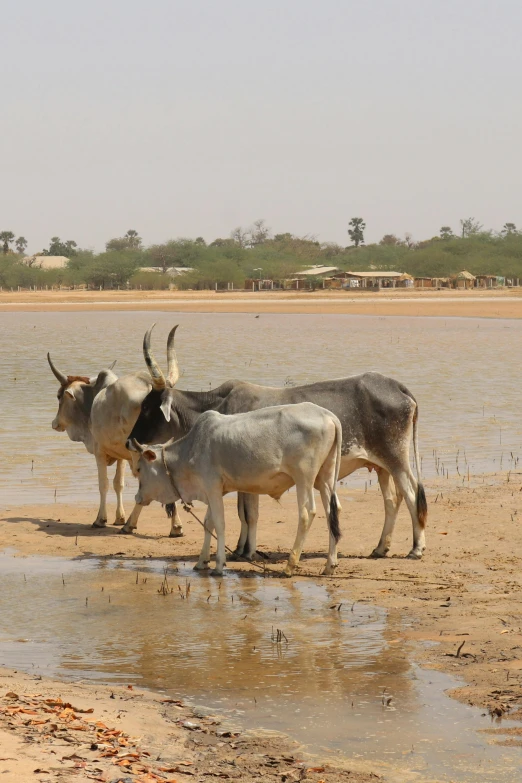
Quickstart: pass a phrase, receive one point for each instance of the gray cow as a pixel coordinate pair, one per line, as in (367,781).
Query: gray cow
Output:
(379,417)
(265,452)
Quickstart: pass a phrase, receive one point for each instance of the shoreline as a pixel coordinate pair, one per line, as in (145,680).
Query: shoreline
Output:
(73,731)
(464,590)
(451,304)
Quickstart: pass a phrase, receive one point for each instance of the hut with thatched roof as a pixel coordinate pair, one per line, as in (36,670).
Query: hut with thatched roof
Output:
(464,280)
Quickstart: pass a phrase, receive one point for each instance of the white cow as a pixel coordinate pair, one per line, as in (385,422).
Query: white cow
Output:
(263,452)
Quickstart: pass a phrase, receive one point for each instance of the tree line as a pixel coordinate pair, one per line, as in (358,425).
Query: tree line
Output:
(256,253)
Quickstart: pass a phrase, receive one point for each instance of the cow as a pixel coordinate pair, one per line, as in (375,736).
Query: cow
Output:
(75,399)
(265,451)
(102,412)
(379,417)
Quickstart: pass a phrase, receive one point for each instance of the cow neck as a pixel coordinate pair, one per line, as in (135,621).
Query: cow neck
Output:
(185,505)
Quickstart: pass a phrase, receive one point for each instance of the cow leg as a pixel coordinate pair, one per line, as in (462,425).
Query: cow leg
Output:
(118,484)
(132,523)
(103,484)
(176,527)
(306,506)
(248,511)
(204,556)
(408,485)
(217,511)
(392,500)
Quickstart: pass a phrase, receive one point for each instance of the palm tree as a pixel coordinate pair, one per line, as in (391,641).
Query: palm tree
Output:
(134,240)
(6,238)
(21,244)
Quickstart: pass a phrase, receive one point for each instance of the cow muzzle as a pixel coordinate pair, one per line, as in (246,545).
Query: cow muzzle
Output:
(57,426)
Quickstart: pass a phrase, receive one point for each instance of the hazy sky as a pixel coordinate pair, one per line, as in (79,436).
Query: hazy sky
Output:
(190,117)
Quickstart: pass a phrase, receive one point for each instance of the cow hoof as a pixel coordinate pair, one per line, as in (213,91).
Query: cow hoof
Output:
(376,555)
(236,555)
(126,532)
(202,566)
(215,572)
(287,574)
(329,570)
(99,523)
(413,555)
(178,533)
(119,521)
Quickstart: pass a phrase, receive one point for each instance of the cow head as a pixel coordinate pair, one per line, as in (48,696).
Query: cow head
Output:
(149,468)
(159,383)
(75,397)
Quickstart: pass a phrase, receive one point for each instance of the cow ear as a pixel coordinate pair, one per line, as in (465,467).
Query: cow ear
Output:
(70,393)
(149,455)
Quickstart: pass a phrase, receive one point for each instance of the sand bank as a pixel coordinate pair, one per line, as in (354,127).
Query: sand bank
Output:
(477,304)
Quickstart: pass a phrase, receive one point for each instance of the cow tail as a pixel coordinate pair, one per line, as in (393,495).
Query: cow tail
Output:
(333,514)
(421,502)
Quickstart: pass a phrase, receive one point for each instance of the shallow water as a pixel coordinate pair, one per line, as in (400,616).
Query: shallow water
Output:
(464,373)
(104,620)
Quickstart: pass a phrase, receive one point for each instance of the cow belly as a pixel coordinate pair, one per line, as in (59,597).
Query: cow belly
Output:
(273,484)
(352,462)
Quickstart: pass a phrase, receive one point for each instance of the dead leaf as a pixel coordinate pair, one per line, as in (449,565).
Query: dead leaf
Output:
(11,695)
(315,769)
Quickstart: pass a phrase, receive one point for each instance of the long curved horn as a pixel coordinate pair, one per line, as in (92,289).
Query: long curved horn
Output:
(57,374)
(172,360)
(158,379)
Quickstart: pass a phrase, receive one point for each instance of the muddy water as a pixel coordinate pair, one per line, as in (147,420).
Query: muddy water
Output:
(323,683)
(464,372)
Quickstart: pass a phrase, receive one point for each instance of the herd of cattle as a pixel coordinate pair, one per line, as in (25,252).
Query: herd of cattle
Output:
(246,438)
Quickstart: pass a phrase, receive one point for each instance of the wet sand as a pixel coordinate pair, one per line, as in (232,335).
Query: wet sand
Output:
(52,731)
(500,303)
(465,590)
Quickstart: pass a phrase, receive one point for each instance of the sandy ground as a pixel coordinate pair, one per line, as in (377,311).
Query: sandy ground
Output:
(50,731)
(477,304)
(464,594)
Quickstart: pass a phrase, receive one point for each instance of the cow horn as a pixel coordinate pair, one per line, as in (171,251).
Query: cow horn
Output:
(57,374)
(172,361)
(158,379)
(133,445)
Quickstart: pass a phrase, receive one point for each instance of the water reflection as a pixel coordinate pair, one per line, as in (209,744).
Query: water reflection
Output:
(328,686)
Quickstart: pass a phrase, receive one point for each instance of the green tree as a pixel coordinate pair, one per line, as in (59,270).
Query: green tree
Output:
(390,239)
(470,227)
(112,269)
(446,232)
(21,244)
(509,228)
(6,238)
(59,248)
(356,232)
(131,241)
